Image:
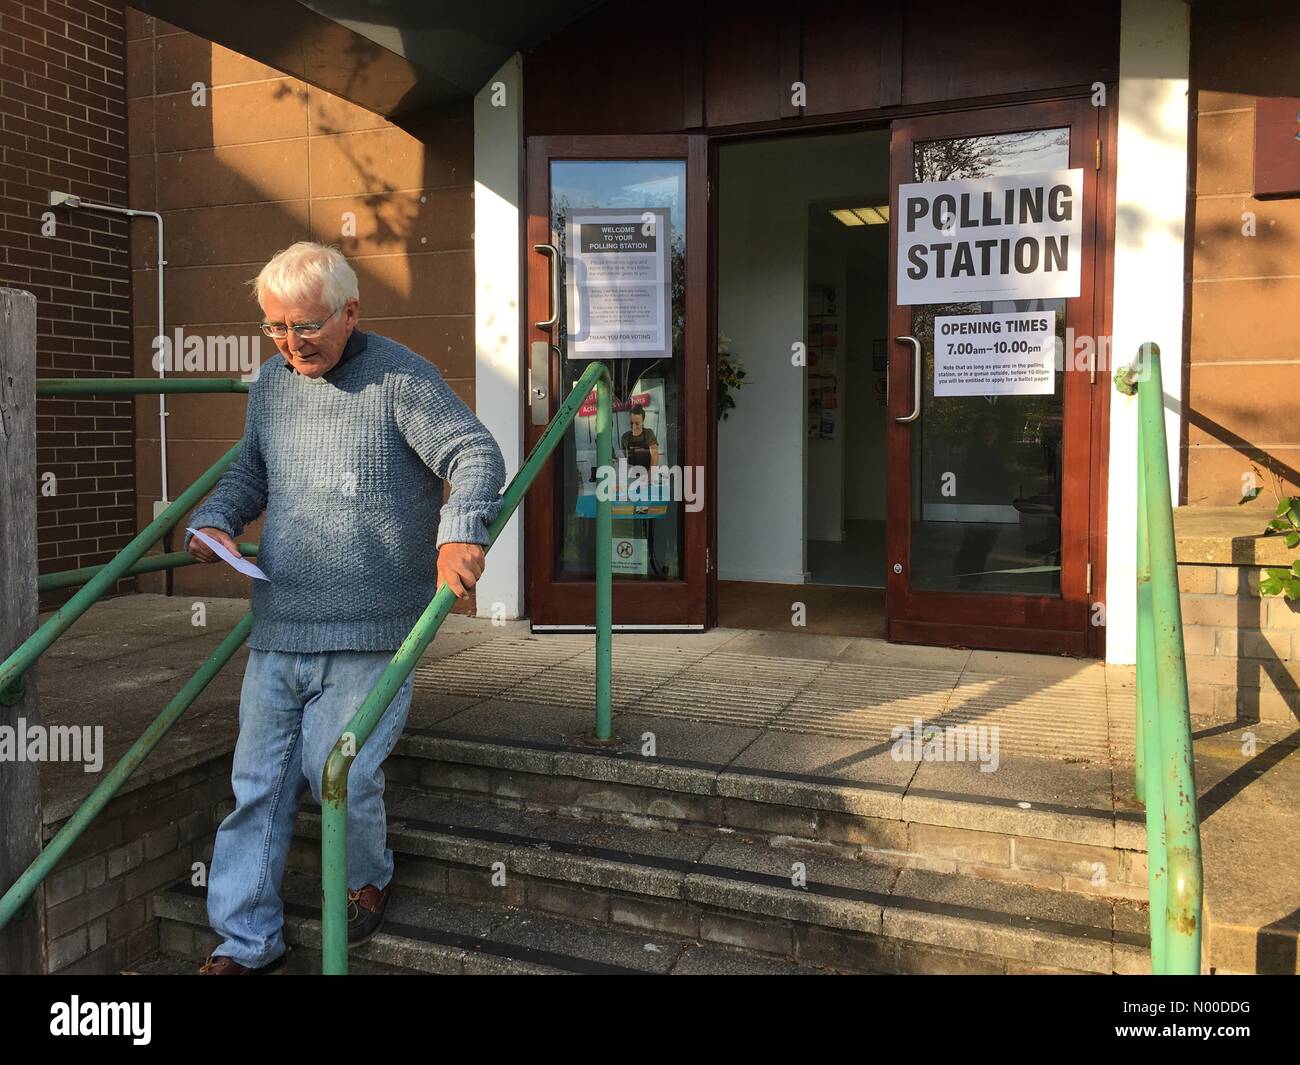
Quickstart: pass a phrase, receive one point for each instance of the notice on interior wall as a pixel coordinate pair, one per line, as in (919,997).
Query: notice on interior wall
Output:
(995,354)
(1014,237)
(618,274)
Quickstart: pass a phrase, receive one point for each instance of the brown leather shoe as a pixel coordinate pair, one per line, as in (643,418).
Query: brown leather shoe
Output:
(220,965)
(366,908)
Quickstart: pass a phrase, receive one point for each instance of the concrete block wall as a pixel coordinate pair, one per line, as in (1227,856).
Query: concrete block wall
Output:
(242,161)
(1243,649)
(98,901)
(1243,288)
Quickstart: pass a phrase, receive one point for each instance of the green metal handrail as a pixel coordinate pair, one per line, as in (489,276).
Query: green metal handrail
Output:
(1165,776)
(30,880)
(135,386)
(71,578)
(334,782)
(13,667)
(95,581)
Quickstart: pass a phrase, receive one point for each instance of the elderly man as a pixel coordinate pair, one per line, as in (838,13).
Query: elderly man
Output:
(347,440)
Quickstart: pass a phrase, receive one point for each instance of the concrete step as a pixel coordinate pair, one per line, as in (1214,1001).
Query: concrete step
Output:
(1098,851)
(426,933)
(811,907)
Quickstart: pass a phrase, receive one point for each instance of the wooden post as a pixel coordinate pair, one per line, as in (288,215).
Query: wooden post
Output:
(22,943)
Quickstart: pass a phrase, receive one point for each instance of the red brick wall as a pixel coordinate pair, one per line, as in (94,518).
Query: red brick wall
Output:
(63,115)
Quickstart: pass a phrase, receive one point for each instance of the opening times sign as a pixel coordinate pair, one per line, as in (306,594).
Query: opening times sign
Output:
(995,354)
(617,288)
(1013,237)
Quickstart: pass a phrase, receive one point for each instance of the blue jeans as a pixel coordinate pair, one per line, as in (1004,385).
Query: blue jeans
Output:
(292,710)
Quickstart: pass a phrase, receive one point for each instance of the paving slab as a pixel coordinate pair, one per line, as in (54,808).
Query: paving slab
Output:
(509,720)
(881,652)
(1019,664)
(1250,821)
(792,644)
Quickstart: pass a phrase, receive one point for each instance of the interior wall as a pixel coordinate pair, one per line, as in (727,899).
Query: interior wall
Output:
(763,193)
(866,418)
(824,457)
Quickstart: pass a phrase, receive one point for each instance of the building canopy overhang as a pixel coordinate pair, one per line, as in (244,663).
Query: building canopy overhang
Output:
(397,58)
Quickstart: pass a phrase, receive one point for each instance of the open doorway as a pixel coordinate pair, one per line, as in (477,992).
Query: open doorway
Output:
(803,240)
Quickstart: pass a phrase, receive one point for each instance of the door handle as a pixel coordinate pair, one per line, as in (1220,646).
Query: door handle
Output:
(553,253)
(916,378)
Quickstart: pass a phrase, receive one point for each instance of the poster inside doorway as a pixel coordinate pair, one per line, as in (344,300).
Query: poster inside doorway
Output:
(618,280)
(637,493)
(995,354)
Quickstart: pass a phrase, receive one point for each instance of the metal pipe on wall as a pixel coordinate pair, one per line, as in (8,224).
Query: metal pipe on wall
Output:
(64,199)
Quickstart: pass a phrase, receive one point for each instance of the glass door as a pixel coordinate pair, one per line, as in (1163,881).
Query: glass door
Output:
(617,272)
(990,445)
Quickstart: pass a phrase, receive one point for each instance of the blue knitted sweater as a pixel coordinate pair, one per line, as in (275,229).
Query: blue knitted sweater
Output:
(347,468)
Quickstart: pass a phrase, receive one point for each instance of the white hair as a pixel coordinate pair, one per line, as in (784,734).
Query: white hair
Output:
(305,272)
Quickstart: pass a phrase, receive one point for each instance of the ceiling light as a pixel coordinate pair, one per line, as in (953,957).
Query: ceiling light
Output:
(862,216)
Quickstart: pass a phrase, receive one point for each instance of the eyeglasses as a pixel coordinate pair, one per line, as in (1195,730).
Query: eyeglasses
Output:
(304,330)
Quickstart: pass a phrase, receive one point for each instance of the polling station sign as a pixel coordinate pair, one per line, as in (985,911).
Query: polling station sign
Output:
(1012,237)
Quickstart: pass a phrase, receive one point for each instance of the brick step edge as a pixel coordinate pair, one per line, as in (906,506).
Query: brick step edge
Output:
(1058,848)
(442,862)
(407,950)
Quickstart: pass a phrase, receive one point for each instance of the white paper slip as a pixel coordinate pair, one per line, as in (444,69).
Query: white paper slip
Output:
(236,561)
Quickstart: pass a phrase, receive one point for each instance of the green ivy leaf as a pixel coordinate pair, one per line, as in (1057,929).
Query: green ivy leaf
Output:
(1270,586)
(1284,507)
(1279,524)
(1292,539)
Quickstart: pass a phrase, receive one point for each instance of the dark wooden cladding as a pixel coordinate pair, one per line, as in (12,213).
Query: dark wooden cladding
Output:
(955,49)
(745,79)
(630,67)
(1246,49)
(844,47)
(621,69)
(1277,147)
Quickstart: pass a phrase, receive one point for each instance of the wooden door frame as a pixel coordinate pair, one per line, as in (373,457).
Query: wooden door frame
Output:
(1031,623)
(638,605)
(1104,230)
